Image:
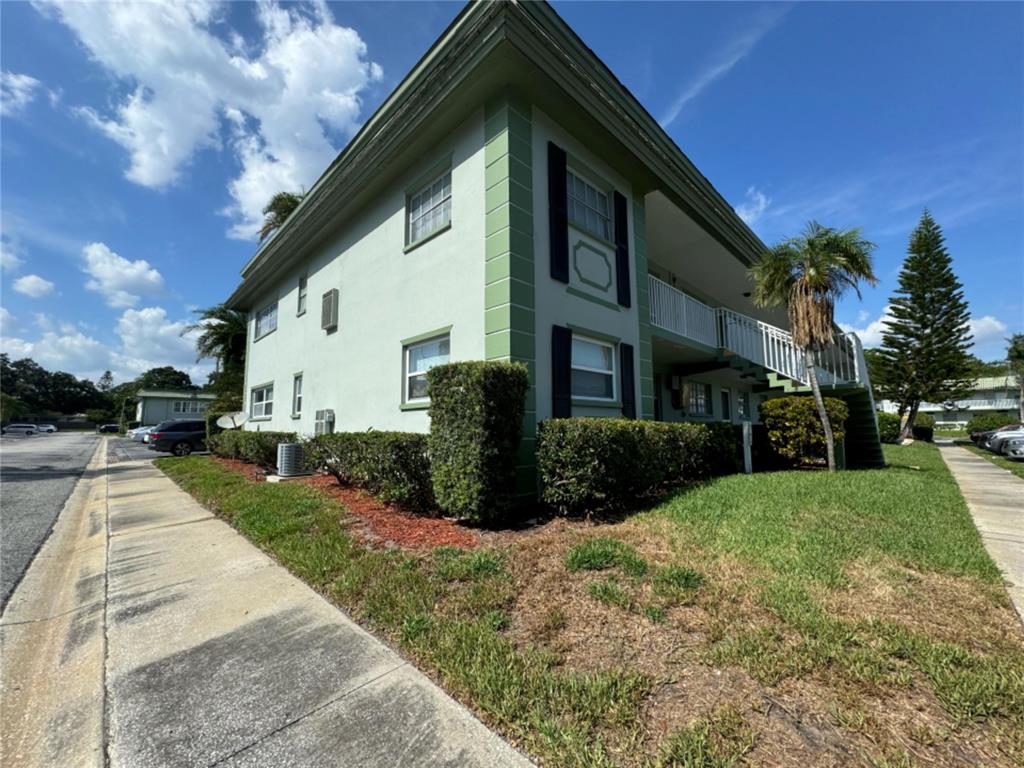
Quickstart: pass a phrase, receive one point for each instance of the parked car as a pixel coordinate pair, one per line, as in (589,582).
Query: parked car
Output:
(138,434)
(998,441)
(115,428)
(1014,448)
(46,428)
(178,437)
(19,429)
(982,438)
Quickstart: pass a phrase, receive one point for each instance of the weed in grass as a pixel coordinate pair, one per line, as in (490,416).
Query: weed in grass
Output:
(716,742)
(497,620)
(851,718)
(655,614)
(601,553)
(554,621)
(897,758)
(610,592)
(414,627)
(454,564)
(676,584)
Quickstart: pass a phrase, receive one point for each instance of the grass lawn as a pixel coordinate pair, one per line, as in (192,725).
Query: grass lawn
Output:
(793,618)
(1017,467)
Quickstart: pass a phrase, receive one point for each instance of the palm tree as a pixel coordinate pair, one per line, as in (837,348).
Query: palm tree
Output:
(277,211)
(807,274)
(1015,357)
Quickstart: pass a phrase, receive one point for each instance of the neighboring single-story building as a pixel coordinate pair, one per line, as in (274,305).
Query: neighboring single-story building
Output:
(155,405)
(992,394)
(512,200)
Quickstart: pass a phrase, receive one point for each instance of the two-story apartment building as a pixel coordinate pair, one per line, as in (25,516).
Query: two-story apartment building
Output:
(511,200)
(992,395)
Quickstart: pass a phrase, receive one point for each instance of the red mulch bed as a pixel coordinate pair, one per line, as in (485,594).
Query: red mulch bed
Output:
(387,525)
(379,524)
(250,471)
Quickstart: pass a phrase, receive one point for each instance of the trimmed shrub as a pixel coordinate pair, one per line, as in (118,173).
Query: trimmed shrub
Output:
(589,464)
(889,428)
(391,465)
(986,422)
(794,429)
(254,447)
(476,422)
(924,427)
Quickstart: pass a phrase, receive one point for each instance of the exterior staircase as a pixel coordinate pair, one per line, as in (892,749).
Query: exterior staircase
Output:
(768,352)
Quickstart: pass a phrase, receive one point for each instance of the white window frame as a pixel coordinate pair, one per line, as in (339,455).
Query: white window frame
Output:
(709,409)
(259,410)
(300,304)
(445,175)
(605,217)
(614,372)
(407,375)
(189,406)
(297,394)
(266,312)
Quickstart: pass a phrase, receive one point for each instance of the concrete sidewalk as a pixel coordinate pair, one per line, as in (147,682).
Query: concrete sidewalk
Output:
(995,498)
(151,633)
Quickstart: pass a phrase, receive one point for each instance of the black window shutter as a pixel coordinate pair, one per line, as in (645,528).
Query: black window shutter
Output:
(621,250)
(628,382)
(558,214)
(561,372)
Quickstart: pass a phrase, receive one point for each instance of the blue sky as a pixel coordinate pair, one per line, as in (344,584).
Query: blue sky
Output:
(140,141)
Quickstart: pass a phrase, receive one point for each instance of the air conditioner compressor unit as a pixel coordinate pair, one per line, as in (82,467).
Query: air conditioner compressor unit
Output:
(291,460)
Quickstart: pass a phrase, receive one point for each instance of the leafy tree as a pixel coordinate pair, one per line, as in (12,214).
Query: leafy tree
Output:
(11,408)
(222,336)
(807,274)
(105,382)
(924,353)
(41,391)
(277,212)
(99,415)
(164,377)
(1015,357)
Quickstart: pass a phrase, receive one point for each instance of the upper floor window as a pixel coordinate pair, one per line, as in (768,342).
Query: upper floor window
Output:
(430,209)
(261,403)
(266,320)
(588,206)
(700,403)
(420,358)
(593,369)
(301,308)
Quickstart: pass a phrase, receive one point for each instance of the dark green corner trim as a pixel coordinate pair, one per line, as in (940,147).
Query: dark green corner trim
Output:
(509,319)
(645,354)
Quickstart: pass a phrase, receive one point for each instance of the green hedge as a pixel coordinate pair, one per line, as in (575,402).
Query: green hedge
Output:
(889,428)
(476,419)
(924,427)
(591,464)
(391,465)
(986,422)
(254,447)
(794,428)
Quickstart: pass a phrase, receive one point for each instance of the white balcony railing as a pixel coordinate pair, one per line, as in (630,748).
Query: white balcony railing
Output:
(764,344)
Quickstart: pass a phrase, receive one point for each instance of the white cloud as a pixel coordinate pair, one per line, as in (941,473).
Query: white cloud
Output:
(145,338)
(988,329)
(6,321)
(9,260)
(728,56)
(870,334)
(752,210)
(122,282)
(288,105)
(16,92)
(34,286)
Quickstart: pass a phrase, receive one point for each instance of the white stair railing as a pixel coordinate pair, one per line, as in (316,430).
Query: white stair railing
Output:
(842,362)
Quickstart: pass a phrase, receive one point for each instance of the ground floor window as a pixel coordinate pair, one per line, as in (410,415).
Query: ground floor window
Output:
(419,358)
(699,402)
(726,397)
(190,406)
(593,369)
(297,395)
(262,401)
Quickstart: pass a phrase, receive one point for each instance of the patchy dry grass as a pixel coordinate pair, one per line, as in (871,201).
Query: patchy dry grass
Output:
(787,619)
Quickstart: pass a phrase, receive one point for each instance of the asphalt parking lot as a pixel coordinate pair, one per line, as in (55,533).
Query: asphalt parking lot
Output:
(123,449)
(37,474)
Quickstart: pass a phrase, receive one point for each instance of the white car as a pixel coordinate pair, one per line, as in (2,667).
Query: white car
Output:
(1014,448)
(999,441)
(20,429)
(46,428)
(139,434)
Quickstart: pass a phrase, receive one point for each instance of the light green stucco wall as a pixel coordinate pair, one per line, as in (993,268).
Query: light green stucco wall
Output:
(387,294)
(509,300)
(645,351)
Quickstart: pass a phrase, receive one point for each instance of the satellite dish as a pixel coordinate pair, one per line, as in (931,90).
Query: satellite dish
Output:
(232,420)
